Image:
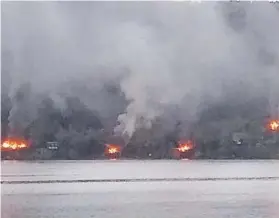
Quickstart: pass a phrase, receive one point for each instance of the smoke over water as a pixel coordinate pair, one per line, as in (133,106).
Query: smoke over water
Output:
(162,55)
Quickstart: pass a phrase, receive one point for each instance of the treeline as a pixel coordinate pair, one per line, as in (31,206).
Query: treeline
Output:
(76,128)
(230,129)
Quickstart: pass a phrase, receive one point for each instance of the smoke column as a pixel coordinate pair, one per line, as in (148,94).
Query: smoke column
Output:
(161,54)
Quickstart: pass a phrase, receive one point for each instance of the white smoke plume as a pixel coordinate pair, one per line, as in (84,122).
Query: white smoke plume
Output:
(162,54)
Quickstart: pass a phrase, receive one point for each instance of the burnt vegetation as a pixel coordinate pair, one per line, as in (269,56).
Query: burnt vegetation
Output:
(227,129)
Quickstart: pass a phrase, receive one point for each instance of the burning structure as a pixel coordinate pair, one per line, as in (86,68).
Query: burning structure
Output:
(12,144)
(185,149)
(274,125)
(112,151)
(14,148)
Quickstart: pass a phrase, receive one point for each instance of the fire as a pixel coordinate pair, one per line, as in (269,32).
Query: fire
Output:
(183,147)
(12,144)
(112,149)
(274,125)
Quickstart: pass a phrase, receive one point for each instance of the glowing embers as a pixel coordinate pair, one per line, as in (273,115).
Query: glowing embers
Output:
(14,144)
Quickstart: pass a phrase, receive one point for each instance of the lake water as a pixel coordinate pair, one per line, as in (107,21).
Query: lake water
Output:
(129,189)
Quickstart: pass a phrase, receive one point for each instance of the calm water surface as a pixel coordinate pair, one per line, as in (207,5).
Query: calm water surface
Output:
(210,189)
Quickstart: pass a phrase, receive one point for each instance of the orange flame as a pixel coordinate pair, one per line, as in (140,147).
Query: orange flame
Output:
(183,147)
(12,144)
(112,149)
(274,125)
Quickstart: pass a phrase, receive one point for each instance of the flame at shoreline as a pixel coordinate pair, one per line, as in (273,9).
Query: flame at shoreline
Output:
(185,146)
(14,144)
(112,149)
(274,125)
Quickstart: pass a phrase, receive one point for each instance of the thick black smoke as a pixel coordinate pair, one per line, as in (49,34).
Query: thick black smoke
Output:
(133,63)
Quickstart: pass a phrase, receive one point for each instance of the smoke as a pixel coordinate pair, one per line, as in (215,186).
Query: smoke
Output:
(161,55)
